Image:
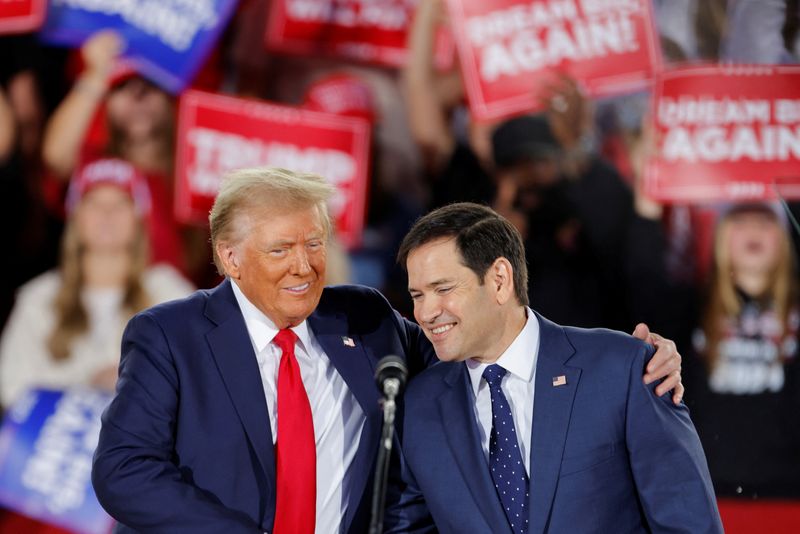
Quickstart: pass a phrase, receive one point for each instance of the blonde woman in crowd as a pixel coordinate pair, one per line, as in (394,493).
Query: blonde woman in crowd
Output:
(743,376)
(66,326)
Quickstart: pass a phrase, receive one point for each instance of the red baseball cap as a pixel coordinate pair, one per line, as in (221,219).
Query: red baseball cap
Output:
(110,171)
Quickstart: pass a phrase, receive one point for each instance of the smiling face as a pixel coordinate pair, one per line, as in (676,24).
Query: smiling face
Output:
(280,263)
(460,316)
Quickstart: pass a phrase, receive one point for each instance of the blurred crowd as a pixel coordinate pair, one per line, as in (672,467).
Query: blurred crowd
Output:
(87,177)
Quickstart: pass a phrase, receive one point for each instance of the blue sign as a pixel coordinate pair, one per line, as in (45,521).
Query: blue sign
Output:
(167,40)
(46,445)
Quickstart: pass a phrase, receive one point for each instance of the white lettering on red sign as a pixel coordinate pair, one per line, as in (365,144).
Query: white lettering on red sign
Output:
(532,36)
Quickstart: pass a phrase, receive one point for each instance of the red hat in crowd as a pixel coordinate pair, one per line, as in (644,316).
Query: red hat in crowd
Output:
(121,73)
(110,171)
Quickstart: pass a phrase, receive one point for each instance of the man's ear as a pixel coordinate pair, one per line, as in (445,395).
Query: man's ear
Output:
(229,256)
(501,276)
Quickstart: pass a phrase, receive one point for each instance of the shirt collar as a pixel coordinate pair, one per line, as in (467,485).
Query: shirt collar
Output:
(519,358)
(260,328)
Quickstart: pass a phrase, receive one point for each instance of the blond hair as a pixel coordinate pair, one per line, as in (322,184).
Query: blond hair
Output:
(244,191)
(72,319)
(723,300)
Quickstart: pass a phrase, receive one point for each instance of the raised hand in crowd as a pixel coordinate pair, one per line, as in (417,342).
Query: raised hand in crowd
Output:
(571,118)
(431,94)
(70,122)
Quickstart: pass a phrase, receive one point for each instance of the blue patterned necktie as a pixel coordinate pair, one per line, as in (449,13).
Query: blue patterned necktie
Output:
(505,458)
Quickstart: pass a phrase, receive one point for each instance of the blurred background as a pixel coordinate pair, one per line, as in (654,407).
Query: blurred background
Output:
(117,120)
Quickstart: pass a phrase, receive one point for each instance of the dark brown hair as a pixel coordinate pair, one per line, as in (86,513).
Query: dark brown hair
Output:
(482,236)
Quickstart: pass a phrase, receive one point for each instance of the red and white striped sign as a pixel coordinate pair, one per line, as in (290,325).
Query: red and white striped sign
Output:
(726,133)
(219,133)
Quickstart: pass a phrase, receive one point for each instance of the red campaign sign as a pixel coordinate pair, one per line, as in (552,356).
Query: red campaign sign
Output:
(20,16)
(725,133)
(511,49)
(371,31)
(219,133)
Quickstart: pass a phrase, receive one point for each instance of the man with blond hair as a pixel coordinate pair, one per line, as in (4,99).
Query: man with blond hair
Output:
(251,407)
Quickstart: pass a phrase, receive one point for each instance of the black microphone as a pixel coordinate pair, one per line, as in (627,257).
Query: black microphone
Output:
(391,375)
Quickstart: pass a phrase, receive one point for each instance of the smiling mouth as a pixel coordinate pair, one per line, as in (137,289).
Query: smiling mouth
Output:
(442,329)
(299,289)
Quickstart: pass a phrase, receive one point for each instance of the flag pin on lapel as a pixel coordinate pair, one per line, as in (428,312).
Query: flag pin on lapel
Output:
(559,380)
(348,341)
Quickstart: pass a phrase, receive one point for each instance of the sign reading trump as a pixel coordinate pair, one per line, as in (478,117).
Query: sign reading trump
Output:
(507,48)
(46,446)
(218,133)
(17,16)
(726,133)
(166,40)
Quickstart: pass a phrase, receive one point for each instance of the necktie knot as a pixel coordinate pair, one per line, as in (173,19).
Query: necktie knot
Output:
(285,340)
(494,375)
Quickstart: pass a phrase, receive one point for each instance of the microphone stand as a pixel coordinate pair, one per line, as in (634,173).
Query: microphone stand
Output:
(391,387)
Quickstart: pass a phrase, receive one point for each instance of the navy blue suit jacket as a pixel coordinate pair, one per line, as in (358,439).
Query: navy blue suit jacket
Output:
(186,444)
(607,454)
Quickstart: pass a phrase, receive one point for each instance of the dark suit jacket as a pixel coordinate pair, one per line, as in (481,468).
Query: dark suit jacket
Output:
(607,454)
(186,444)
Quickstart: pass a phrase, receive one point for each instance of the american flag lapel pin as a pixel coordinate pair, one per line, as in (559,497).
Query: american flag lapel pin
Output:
(348,341)
(559,380)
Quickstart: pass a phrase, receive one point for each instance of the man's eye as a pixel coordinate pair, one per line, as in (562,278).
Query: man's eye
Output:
(443,290)
(416,296)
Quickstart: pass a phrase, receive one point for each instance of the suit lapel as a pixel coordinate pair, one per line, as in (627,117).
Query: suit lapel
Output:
(461,428)
(233,354)
(346,352)
(552,408)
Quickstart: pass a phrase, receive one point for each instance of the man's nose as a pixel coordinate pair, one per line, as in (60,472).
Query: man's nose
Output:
(300,265)
(428,309)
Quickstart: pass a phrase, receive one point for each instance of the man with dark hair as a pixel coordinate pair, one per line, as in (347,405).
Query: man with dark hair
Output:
(529,426)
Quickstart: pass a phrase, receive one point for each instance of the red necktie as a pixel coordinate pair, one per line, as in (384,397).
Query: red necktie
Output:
(295,450)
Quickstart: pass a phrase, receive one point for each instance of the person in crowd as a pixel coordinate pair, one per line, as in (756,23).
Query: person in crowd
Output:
(528,426)
(66,325)
(112,111)
(573,224)
(456,151)
(253,407)
(741,325)
(31,219)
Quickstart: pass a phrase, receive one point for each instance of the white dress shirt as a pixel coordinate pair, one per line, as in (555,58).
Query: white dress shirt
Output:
(338,418)
(519,360)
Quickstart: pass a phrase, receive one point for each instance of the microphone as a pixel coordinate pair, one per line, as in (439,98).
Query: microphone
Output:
(390,375)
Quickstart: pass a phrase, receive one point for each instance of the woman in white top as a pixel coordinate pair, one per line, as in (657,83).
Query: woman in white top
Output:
(66,326)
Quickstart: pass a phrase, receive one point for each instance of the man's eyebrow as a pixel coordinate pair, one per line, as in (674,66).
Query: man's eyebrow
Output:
(435,283)
(279,243)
